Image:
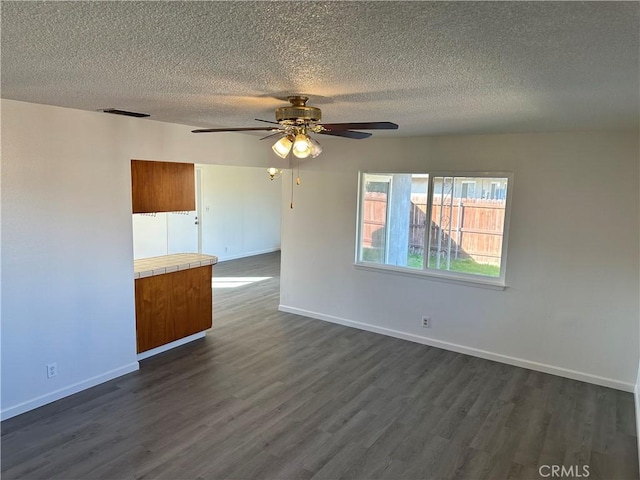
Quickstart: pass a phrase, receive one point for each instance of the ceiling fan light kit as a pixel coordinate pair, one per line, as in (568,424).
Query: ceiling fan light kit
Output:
(282,147)
(301,146)
(316,149)
(294,122)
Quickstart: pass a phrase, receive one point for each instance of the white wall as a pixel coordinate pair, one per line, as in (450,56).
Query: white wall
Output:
(66,250)
(240,211)
(67,286)
(636,396)
(151,234)
(571,306)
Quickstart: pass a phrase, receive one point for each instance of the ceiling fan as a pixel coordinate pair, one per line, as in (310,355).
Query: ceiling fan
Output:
(295,122)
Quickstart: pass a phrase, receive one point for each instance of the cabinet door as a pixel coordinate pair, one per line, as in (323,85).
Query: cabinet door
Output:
(153,308)
(162,186)
(173,306)
(192,306)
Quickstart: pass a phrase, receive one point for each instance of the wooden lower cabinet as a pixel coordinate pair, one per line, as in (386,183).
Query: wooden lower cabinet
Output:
(172,306)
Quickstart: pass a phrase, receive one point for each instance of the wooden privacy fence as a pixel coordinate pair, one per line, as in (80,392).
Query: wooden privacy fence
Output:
(464,228)
(374,214)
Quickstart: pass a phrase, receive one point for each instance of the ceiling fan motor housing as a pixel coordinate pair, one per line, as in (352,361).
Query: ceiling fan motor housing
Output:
(298,112)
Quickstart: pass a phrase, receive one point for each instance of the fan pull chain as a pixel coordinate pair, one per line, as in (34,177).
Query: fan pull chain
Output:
(291,206)
(291,167)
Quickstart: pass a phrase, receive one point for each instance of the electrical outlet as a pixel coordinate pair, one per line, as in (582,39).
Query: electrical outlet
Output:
(52,370)
(426,322)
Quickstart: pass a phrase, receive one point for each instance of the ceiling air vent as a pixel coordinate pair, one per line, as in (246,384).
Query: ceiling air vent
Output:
(124,112)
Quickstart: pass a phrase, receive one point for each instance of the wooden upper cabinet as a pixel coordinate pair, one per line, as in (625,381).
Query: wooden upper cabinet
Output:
(162,186)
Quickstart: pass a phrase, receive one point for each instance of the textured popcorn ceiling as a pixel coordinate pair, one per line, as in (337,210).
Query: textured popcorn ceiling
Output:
(431,67)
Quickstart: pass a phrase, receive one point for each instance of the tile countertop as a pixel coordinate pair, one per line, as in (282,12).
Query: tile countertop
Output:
(147,267)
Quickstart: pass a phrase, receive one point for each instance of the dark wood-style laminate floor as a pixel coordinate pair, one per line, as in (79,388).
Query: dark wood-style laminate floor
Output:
(269,395)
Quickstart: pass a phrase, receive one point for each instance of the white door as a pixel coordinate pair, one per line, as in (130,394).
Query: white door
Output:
(184,229)
(182,232)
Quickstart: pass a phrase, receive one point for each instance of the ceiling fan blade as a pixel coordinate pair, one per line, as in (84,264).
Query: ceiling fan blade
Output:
(241,129)
(347,134)
(361,126)
(265,121)
(272,135)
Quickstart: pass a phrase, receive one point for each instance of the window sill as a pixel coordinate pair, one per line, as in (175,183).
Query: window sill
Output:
(434,276)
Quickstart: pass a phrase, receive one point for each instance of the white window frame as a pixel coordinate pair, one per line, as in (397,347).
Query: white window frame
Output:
(468,279)
(385,178)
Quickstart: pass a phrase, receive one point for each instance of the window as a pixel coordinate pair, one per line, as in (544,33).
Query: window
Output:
(451,226)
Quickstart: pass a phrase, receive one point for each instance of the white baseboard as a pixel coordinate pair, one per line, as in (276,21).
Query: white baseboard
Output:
(498,357)
(636,396)
(246,254)
(169,346)
(66,391)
